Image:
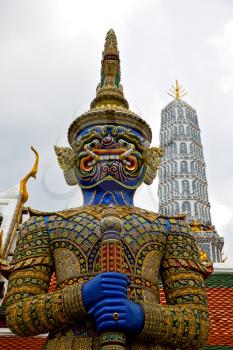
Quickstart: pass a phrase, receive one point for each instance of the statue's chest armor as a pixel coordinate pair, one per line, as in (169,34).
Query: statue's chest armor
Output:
(76,244)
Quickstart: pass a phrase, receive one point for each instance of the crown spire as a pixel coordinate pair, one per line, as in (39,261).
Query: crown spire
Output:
(109,91)
(177,91)
(110,45)
(109,106)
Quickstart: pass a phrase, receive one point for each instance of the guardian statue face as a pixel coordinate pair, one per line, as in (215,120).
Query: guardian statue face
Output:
(111,155)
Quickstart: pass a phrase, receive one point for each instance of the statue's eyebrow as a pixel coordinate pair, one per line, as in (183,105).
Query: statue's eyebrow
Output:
(132,137)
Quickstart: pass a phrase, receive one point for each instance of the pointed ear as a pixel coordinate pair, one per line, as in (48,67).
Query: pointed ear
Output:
(153,157)
(66,161)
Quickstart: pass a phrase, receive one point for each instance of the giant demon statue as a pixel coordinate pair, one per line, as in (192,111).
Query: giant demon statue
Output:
(107,255)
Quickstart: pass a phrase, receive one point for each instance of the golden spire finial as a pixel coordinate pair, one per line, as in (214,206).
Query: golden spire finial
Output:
(109,91)
(177,91)
(32,173)
(110,46)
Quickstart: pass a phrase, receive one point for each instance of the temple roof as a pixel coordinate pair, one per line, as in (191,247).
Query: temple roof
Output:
(178,104)
(12,193)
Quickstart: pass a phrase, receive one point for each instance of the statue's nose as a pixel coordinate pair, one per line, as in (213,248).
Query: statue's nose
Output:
(108,141)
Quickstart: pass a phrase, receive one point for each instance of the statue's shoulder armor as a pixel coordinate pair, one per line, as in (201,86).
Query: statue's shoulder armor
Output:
(175,217)
(97,211)
(33,212)
(152,216)
(63,213)
(176,220)
(33,243)
(146,214)
(67,214)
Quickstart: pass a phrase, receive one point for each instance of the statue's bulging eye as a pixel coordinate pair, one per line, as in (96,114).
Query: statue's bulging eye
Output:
(124,143)
(93,144)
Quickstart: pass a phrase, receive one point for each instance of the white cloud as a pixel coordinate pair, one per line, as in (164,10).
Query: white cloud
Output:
(221,214)
(222,218)
(222,42)
(72,20)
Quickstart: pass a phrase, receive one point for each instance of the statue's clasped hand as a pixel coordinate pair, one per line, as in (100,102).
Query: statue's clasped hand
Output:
(105,298)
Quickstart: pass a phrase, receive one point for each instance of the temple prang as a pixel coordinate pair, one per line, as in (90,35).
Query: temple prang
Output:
(183,186)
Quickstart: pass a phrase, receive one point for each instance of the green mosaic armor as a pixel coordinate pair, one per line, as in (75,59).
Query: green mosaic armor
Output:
(68,244)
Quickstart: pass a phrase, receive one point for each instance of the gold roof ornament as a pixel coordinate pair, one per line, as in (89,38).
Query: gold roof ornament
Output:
(109,106)
(203,256)
(32,173)
(196,226)
(177,91)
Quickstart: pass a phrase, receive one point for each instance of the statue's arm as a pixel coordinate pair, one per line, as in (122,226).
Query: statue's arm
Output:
(31,309)
(184,321)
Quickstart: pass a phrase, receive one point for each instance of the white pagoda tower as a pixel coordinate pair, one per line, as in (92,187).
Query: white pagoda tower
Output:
(183,186)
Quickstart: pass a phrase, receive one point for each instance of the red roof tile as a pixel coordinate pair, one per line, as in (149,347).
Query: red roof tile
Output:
(21,343)
(221,315)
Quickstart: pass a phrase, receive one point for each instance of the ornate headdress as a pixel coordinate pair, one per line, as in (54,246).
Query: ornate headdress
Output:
(109,106)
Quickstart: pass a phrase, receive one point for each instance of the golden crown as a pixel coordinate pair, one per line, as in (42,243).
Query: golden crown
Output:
(109,106)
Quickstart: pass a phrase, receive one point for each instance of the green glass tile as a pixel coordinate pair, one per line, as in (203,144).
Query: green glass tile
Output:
(142,220)
(224,280)
(128,227)
(218,347)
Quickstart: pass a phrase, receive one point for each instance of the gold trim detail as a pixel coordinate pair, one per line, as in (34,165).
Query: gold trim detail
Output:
(32,173)
(177,91)
(97,210)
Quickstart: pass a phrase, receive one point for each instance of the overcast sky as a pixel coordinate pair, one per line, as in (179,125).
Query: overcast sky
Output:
(50,53)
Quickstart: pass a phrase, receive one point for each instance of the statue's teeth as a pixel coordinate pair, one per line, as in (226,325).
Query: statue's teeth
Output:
(93,162)
(126,162)
(109,157)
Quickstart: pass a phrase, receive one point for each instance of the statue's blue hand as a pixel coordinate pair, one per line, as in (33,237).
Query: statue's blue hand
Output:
(104,286)
(130,316)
